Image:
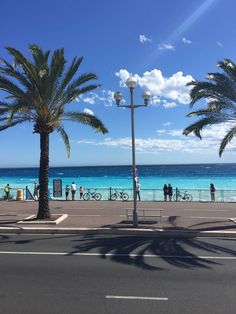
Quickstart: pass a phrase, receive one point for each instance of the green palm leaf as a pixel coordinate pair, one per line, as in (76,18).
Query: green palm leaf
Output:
(220,92)
(86,119)
(65,139)
(228,137)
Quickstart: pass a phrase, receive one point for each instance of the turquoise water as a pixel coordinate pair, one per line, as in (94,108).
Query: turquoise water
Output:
(150,177)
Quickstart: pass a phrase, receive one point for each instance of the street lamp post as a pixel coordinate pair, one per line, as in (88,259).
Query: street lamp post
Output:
(131,84)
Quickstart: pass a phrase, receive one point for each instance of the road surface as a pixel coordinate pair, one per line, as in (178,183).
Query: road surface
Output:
(116,274)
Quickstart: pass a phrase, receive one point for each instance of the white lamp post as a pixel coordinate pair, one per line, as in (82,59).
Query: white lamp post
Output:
(131,84)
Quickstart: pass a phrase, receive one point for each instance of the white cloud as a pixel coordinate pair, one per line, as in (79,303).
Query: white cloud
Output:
(143,39)
(88,111)
(105,96)
(166,46)
(186,41)
(89,100)
(172,88)
(155,100)
(123,75)
(168,104)
(172,141)
(167,123)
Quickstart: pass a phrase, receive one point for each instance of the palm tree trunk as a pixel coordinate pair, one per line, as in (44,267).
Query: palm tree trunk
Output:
(43,210)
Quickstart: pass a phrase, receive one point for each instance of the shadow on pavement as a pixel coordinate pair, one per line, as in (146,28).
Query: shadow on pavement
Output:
(131,250)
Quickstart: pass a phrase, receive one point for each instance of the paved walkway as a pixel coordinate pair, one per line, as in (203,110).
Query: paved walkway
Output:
(179,218)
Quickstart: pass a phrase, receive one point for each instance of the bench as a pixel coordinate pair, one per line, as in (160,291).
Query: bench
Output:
(145,213)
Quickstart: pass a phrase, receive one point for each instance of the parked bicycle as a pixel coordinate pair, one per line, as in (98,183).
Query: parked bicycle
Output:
(119,194)
(92,195)
(183,196)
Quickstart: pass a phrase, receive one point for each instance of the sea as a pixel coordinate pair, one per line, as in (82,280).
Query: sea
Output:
(189,176)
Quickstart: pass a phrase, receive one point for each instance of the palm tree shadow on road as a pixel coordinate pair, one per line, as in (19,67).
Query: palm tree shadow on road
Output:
(131,250)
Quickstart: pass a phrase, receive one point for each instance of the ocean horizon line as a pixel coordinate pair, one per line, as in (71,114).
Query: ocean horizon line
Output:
(124,165)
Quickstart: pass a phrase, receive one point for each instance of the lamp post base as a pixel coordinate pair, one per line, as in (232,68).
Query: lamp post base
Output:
(135,219)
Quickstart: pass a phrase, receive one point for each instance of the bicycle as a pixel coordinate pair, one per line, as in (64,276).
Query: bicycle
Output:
(119,194)
(92,195)
(183,196)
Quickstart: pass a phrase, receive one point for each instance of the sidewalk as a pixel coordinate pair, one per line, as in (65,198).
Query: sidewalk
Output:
(179,218)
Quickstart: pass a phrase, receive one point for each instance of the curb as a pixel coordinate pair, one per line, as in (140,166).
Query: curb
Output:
(119,231)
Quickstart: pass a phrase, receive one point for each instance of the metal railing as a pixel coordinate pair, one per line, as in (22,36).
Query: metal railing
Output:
(198,195)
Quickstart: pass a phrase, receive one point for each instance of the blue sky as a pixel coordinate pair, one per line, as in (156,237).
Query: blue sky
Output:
(164,44)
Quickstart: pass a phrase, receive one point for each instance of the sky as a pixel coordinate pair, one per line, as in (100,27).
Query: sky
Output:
(163,44)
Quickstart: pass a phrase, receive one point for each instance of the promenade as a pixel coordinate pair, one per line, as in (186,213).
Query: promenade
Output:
(179,218)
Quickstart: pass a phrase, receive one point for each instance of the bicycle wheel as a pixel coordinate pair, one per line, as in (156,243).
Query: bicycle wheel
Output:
(125,197)
(188,197)
(86,196)
(98,196)
(113,197)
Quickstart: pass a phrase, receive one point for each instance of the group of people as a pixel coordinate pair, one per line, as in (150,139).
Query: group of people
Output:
(168,192)
(73,190)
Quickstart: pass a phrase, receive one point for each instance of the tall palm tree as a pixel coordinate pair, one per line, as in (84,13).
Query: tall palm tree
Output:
(220,92)
(38,91)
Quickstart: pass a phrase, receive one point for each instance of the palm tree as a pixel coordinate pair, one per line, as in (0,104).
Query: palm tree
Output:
(39,91)
(220,92)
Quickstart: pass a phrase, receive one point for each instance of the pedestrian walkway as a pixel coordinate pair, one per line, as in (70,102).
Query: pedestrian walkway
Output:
(179,218)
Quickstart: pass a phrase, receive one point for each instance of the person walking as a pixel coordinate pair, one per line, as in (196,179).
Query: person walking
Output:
(138,191)
(165,192)
(81,192)
(212,192)
(170,192)
(7,191)
(67,190)
(73,190)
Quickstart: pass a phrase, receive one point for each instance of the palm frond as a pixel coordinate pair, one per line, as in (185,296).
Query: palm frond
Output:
(198,126)
(86,119)
(27,66)
(71,72)
(11,88)
(65,138)
(40,57)
(228,137)
(11,123)
(229,67)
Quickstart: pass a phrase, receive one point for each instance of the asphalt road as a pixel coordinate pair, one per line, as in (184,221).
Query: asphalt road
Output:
(116,274)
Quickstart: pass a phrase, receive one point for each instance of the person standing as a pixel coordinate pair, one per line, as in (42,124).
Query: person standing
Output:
(73,190)
(138,191)
(212,192)
(7,191)
(67,190)
(170,192)
(36,191)
(81,192)
(165,192)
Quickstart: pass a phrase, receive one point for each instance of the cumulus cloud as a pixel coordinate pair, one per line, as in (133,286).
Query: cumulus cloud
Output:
(166,46)
(172,88)
(168,104)
(88,111)
(186,41)
(143,39)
